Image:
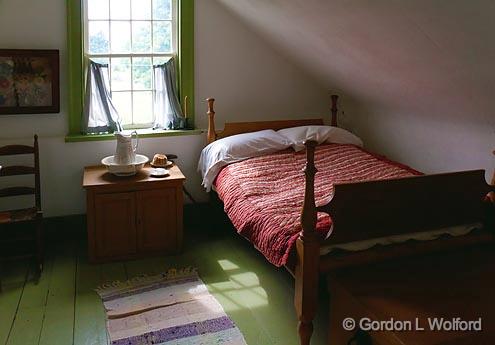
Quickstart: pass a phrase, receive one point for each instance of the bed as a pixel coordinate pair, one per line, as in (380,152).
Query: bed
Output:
(350,213)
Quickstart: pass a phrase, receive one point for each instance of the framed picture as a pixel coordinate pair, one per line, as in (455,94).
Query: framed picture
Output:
(29,81)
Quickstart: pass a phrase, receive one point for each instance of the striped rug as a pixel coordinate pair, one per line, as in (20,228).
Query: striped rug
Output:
(170,308)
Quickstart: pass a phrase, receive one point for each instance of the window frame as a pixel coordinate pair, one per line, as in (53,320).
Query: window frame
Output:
(77,62)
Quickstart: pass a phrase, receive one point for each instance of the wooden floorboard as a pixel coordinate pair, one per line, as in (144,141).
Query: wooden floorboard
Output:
(28,322)
(65,309)
(149,266)
(237,287)
(13,281)
(58,323)
(113,271)
(89,317)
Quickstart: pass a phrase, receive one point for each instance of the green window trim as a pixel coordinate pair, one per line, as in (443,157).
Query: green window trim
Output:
(76,70)
(143,133)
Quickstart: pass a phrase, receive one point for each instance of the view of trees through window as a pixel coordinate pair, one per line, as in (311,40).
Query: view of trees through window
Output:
(131,36)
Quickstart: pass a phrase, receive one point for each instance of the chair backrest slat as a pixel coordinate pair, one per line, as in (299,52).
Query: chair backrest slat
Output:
(16,191)
(11,150)
(16,170)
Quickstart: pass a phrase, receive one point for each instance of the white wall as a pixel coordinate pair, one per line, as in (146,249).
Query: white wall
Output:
(247,77)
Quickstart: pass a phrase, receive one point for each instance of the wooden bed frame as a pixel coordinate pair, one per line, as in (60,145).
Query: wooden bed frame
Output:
(366,210)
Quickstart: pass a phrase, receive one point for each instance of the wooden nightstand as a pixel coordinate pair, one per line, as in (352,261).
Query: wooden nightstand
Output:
(131,217)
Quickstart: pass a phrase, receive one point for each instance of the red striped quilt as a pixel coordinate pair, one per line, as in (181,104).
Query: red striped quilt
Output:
(263,196)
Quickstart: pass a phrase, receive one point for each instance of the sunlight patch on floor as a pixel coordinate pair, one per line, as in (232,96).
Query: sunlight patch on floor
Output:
(246,279)
(227,265)
(241,290)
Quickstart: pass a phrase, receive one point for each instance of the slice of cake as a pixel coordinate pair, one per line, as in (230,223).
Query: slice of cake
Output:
(159,160)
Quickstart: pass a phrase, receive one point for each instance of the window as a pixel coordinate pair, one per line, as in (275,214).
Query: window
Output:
(130,36)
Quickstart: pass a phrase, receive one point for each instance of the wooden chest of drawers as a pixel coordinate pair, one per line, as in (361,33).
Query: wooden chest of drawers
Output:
(130,217)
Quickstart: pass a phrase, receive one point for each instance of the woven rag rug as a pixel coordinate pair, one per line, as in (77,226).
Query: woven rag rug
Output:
(170,308)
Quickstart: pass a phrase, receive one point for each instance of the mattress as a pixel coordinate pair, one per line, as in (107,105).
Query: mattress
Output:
(263,196)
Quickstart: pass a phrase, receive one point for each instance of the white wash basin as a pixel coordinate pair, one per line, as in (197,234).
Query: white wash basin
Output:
(124,169)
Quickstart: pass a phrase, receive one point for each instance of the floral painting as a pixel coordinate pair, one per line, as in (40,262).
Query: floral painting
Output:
(28,81)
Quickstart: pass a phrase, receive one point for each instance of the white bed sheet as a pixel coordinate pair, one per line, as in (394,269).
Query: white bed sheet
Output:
(455,231)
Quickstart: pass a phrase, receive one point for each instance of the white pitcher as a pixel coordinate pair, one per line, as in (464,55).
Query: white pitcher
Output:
(125,152)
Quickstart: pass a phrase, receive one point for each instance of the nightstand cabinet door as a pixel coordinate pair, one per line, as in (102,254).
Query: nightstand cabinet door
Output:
(157,220)
(115,224)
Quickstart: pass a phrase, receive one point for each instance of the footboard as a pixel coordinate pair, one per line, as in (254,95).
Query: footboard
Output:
(367,210)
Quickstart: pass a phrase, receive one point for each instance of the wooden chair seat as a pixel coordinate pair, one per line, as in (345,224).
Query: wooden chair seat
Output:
(21,215)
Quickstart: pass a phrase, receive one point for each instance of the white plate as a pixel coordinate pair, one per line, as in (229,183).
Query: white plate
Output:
(159,172)
(166,165)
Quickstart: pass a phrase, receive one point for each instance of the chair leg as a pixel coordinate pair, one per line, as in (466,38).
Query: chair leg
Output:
(40,250)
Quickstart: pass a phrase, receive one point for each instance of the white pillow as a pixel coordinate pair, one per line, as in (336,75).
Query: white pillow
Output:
(322,134)
(237,148)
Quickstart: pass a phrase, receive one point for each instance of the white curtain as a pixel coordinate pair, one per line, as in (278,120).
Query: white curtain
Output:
(167,109)
(99,114)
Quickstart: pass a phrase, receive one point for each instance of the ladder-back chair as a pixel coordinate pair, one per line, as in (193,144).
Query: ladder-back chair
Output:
(32,214)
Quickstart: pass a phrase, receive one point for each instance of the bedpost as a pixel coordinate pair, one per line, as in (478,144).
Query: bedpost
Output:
(334,110)
(212,135)
(308,255)
(490,202)
(493,178)
(491,195)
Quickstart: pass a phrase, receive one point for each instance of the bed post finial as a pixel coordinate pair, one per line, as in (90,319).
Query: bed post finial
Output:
(334,110)
(212,135)
(308,254)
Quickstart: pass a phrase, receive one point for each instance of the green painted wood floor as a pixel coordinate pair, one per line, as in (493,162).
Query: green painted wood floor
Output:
(63,308)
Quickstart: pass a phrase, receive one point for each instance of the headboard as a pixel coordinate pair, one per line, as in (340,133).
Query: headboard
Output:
(232,128)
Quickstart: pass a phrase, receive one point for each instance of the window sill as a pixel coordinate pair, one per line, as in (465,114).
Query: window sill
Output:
(143,133)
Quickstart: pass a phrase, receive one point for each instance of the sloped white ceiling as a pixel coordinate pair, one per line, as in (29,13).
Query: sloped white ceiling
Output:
(384,50)
(429,63)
